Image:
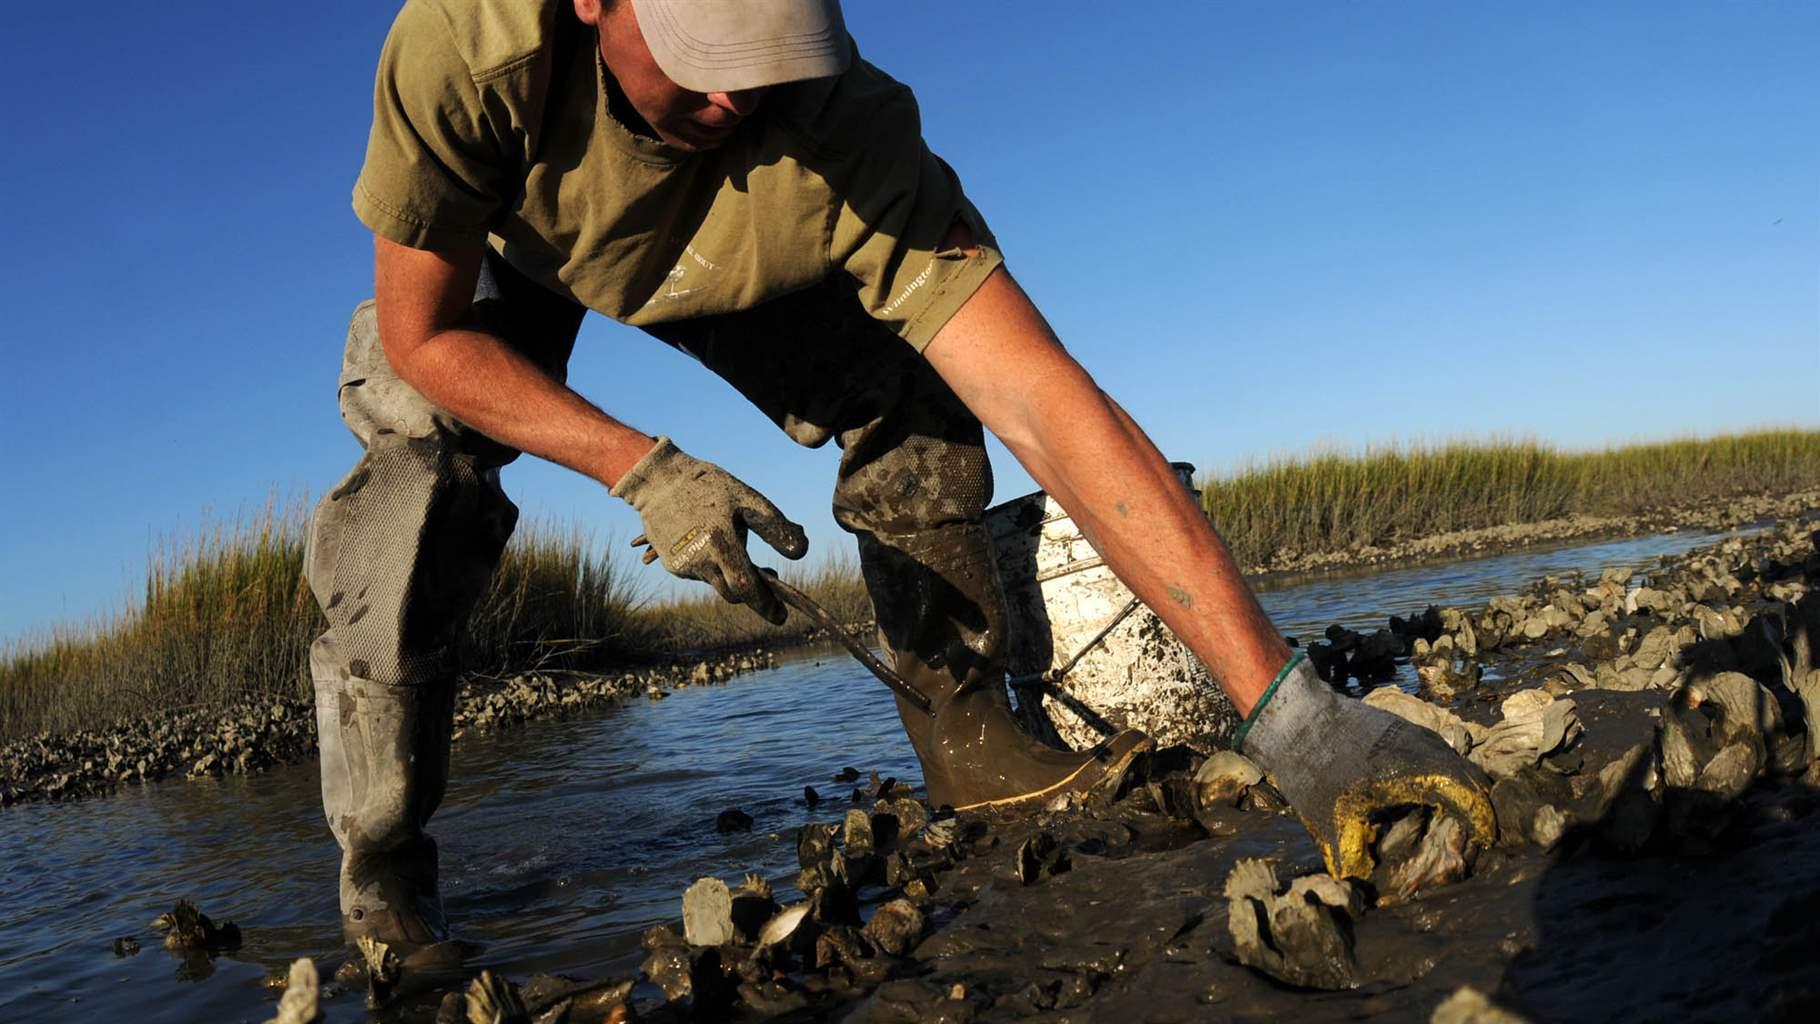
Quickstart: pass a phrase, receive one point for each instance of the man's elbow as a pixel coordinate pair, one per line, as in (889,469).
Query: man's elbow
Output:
(419,294)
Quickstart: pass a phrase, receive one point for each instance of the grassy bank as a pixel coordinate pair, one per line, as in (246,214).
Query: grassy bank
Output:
(226,615)
(1335,502)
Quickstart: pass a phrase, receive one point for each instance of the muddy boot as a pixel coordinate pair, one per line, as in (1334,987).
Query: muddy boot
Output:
(385,763)
(941,622)
(391,895)
(980,759)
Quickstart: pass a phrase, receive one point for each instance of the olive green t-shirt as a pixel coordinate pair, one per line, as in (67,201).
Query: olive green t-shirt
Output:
(490,122)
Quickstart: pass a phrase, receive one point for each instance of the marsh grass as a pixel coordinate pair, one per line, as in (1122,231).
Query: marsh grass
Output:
(1337,501)
(557,601)
(223,614)
(703,621)
(226,615)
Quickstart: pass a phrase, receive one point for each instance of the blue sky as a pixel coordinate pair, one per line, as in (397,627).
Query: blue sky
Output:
(1264,227)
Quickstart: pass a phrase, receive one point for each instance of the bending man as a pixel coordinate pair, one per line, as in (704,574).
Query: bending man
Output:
(736,181)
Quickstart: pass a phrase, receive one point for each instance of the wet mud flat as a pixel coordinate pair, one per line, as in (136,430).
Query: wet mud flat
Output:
(1659,853)
(1574,934)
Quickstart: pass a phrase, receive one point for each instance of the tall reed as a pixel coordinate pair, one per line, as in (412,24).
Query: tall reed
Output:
(223,614)
(1333,501)
(558,600)
(704,621)
(226,615)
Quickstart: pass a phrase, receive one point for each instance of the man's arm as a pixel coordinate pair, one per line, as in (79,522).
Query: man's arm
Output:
(1004,362)
(422,301)
(695,514)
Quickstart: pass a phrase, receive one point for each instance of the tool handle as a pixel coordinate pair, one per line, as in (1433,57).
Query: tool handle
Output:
(819,615)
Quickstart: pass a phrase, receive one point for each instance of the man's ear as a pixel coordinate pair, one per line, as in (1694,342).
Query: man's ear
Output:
(588,11)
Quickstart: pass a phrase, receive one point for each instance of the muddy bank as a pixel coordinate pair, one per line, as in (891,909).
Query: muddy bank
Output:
(1658,856)
(258,734)
(1723,514)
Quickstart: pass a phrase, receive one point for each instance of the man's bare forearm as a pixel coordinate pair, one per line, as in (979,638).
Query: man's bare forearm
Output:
(494,389)
(1149,529)
(1083,449)
(423,300)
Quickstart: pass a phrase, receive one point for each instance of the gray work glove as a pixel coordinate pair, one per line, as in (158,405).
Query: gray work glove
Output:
(696,516)
(1340,762)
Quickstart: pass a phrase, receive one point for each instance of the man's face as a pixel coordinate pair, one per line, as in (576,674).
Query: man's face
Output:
(682,118)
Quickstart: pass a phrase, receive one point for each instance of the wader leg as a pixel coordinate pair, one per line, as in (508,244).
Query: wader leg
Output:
(913,486)
(398,555)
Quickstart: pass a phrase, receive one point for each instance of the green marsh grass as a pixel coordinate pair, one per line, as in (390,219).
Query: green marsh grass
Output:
(1337,501)
(226,615)
(556,601)
(702,621)
(223,614)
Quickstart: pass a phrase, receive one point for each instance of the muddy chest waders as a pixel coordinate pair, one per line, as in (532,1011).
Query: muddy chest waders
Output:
(913,486)
(402,549)
(398,554)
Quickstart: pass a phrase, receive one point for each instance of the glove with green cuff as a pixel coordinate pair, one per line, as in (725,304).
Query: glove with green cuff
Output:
(1340,761)
(696,516)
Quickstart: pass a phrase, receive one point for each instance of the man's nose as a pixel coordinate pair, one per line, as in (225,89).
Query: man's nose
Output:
(742,102)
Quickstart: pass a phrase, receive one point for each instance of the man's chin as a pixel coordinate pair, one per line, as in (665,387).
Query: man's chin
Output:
(697,141)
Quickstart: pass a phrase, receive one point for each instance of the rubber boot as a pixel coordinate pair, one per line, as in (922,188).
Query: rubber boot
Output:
(385,765)
(941,622)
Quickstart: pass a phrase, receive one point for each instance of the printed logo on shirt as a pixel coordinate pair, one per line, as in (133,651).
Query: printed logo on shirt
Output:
(910,289)
(678,283)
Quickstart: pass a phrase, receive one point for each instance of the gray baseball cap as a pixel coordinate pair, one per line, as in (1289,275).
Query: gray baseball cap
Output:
(728,45)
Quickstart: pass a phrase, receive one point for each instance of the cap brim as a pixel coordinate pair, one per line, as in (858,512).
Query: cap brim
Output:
(729,45)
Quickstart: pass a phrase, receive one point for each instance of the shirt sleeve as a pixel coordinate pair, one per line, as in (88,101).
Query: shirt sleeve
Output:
(433,172)
(896,203)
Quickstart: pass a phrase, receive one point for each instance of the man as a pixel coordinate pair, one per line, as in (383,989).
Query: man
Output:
(732,178)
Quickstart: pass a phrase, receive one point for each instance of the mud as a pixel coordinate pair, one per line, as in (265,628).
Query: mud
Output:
(1659,856)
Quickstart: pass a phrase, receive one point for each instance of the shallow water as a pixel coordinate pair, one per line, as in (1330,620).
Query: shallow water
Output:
(561,840)
(1304,605)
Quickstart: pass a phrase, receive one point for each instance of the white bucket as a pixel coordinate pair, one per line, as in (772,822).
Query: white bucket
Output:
(1060,597)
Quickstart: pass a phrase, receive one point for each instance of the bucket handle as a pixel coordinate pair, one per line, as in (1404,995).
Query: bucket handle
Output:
(1052,676)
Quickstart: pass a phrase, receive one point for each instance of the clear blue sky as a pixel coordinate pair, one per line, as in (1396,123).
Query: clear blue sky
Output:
(1263,226)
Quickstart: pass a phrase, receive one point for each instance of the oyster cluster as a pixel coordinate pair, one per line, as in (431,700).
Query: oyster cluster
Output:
(260,732)
(1722,641)
(865,882)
